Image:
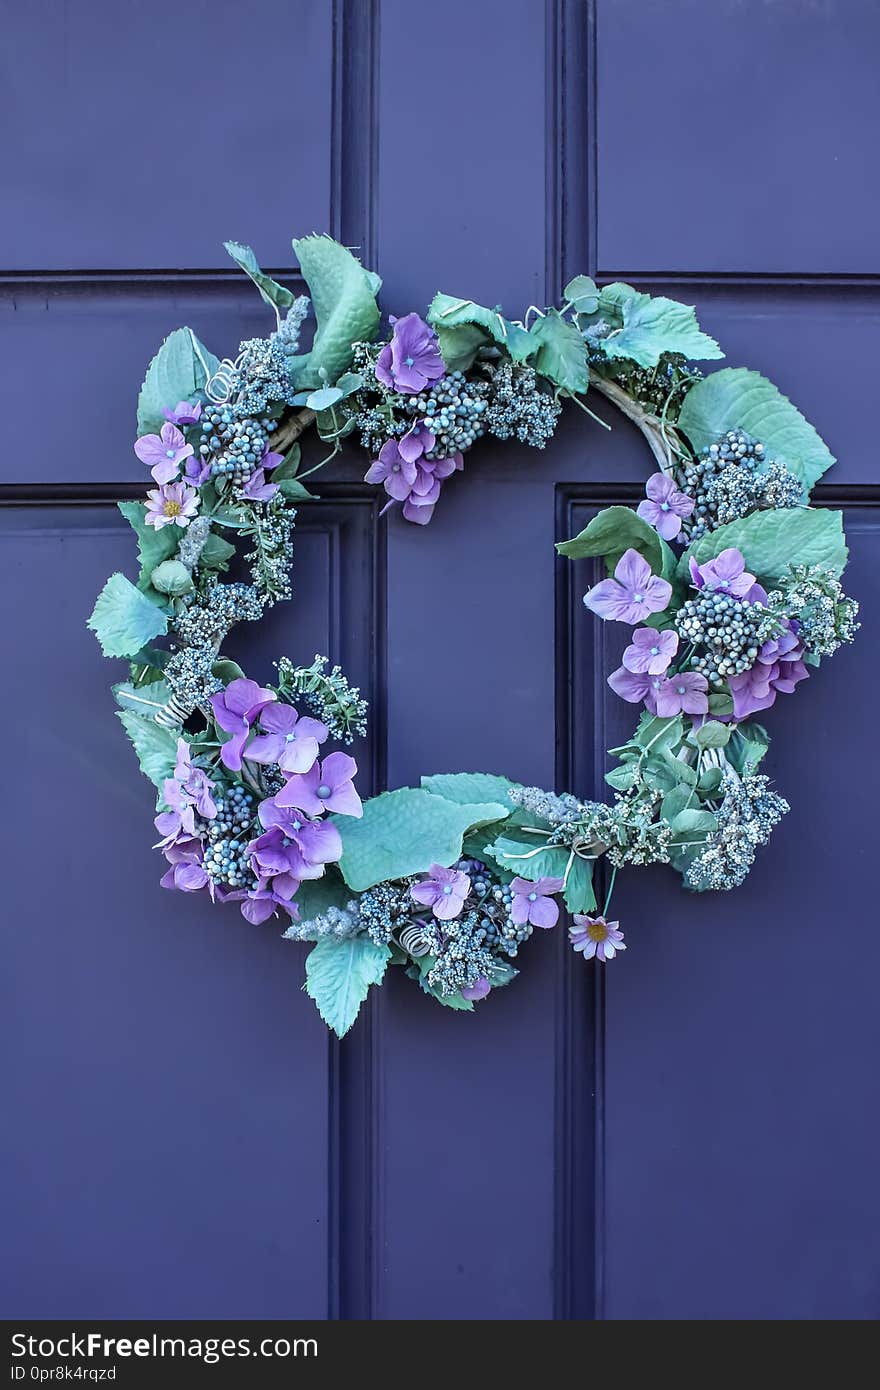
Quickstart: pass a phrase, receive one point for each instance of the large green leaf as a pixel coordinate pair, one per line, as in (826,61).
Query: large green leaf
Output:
(404,832)
(529,857)
(582,293)
(748,744)
(460,343)
(273,293)
(156,747)
(579,894)
(615,530)
(339,974)
(216,553)
(155,544)
(465,788)
(561,352)
(652,325)
(448,312)
(123,620)
(736,398)
(176,373)
(344,301)
(145,700)
(773,540)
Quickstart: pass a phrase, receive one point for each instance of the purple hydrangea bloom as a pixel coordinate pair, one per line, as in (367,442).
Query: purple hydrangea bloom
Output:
(263,902)
(257,488)
(532,902)
(411,361)
(173,504)
(163,453)
(478,990)
(632,686)
(778,669)
(327,786)
(184,413)
(188,791)
(650,651)
(395,472)
(665,506)
(632,594)
(726,573)
(235,709)
(287,856)
(187,872)
(196,471)
(270,460)
(596,937)
(416,442)
(287,740)
(685,692)
(444,891)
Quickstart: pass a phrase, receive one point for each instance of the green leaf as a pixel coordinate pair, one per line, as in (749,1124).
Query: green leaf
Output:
(465,788)
(737,398)
(176,373)
(460,343)
(771,541)
(449,1001)
(123,620)
(582,294)
(156,747)
(652,325)
(613,531)
(677,799)
(529,857)
(710,781)
(561,352)
(226,670)
(344,301)
(720,703)
(314,896)
(448,312)
(154,545)
(404,832)
(324,398)
(295,491)
(339,974)
(289,465)
(622,778)
(712,734)
(748,744)
(579,895)
(216,553)
(272,293)
(145,700)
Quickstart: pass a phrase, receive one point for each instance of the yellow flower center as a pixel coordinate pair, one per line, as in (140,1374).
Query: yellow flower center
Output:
(598,931)
(172,508)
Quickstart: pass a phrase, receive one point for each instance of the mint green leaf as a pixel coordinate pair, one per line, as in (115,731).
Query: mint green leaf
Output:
(344,301)
(145,700)
(692,825)
(710,781)
(324,398)
(449,1001)
(314,896)
(712,734)
(226,670)
(736,398)
(652,325)
(773,540)
(561,352)
(338,977)
(615,530)
(460,343)
(582,294)
(272,293)
(465,788)
(216,553)
(529,857)
(748,744)
(289,465)
(448,312)
(123,620)
(176,373)
(154,545)
(677,799)
(155,746)
(404,832)
(579,895)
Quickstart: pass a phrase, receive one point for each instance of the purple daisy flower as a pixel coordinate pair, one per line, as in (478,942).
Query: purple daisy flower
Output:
(726,573)
(412,359)
(184,413)
(596,937)
(235,710)
(287,740)
(173,504)
(650,651)
(163,453)
(665,506)
(632,594)
(327,786)
(685,692)
(444,891)
(532,902)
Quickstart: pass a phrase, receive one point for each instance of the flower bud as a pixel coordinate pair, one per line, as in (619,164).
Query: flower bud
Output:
(171,577)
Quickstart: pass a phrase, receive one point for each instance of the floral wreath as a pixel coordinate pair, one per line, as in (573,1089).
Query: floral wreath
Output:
(727,581)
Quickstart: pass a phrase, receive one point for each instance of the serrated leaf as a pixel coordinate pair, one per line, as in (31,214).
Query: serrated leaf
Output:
(156,747)
(123,620)
(652,325)
(561,354)
(272,293)
(578,893)
(772,541)
(404,832)
(154,545)
(339,974)
(613,531)
(466,788)
(460,343)
(737,398)
(176,373)
(344,301)
(448,312)
(582,294)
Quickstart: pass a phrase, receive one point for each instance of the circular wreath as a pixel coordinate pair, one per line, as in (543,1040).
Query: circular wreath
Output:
(726,581)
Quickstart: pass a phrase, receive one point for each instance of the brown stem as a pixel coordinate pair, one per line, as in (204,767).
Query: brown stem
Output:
(290,430)
(648,424)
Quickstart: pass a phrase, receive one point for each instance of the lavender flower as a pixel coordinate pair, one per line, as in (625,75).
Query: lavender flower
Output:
(727,572)
(777,670)
(650,651)
(287,740)
(686,692)
(632,594)
(665,506)
(188,791)
(393,470)
(196,471)
(416,442)
(187,872)
(173,504)
(263,902)
(327,786)
(478,990)
(444,891)
(163,453)
(235,710)
(532,902)
(596,937)
(288,856)
(412,359)
(257,489)
(184,413)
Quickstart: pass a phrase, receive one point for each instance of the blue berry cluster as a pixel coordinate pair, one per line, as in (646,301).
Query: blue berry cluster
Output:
(233,446)
(227,837)
(454,410)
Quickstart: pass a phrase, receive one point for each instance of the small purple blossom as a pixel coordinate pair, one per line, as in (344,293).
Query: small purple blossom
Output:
(287,855)
(263,902)
(395,472)
(684,692)
(235,710)
(416,442)
(187,872)
(778,669)
(188,791)
(444,891)
(286,739)
(327,786)
(532,902)
(257,488)
(412,359)
(632,594)
(173,504)
(478,990)
(196,471)
(665,506)
(270,460)
(596,937)
(726,573)
(650,651)
(163,453)
(632,686)
(184,413)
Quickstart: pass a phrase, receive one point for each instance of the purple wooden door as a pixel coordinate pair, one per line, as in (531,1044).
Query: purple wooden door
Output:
(692,1136)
